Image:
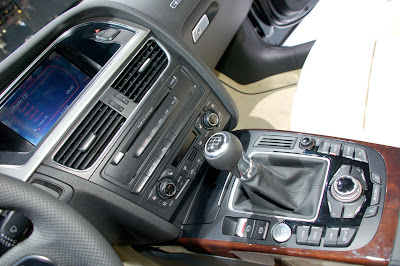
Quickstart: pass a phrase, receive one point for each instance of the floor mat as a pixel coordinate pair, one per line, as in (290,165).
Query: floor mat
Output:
(265,104)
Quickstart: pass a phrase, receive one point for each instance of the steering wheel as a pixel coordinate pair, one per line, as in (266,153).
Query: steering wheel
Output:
(60,234)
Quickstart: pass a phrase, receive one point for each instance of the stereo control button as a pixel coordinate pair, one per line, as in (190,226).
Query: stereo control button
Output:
(172,82)
(335,149)
(335,207)
(302,235)
(360,155)
(352,209)
(331,237)
(376,194)
(371,211)
(324,148)
(346,236)
(314,238)
(348,152)
(376,178)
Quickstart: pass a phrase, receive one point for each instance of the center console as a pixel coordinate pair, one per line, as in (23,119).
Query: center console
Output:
(348,198)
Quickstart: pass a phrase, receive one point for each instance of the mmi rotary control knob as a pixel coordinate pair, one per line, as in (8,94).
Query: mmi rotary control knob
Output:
(346,189)
(167,189)
(210,120)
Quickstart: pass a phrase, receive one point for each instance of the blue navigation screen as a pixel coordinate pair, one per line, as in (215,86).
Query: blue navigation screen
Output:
(38,103)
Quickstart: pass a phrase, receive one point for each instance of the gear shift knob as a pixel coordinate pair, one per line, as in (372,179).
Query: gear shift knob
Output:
(223,151)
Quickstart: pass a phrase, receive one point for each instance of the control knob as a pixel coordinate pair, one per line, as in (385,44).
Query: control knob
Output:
(346,189)
(167,189)
(307,143)
(210,120)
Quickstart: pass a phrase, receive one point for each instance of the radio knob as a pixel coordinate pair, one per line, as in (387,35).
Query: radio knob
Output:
(210,120)
(167,189)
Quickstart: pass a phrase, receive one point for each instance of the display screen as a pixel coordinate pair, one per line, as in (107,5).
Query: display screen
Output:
(38,103)
(182,152)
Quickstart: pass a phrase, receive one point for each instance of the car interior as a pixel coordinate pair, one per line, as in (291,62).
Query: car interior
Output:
(194,132)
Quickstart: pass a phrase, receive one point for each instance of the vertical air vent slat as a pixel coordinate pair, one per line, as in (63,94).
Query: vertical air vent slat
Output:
(131,70)
(281,142)
(98,130)
(71,154)
(151,60)
(103,123)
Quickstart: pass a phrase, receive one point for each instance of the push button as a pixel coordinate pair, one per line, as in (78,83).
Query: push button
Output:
(302,235)
(281,232)
(244,227)
(346,236)
(335,149)
(122,98)
(116,106)
(314,239)
(352,209)
(376,178)
(172,82)
(324,148)
(360,155)
(371,211)
(260,230)
(348,152)
(154,198)
(376,194)
(335,207)
(117,158)
(331,237)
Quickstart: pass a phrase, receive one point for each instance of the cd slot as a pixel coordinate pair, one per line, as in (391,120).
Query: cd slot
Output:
(154,125)
(143,121)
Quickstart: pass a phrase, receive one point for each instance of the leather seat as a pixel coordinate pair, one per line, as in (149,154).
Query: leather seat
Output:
(350,84)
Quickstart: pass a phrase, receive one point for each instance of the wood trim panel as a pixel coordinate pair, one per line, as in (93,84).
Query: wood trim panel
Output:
(377,252)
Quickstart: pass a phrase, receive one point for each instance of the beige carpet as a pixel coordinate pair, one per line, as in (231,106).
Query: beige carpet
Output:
(265,104)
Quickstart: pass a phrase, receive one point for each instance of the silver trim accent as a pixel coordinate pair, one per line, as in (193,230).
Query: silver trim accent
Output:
(97,84)
(237,183)
(224,189)
(129,118)
(182,189)
(36,257)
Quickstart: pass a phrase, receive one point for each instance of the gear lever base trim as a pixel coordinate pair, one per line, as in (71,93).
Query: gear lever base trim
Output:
(237,184)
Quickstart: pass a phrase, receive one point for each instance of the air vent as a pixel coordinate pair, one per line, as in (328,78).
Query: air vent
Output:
(142,72)
(280,142)
(90,138)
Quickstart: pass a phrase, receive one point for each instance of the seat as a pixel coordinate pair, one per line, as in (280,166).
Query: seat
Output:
(349,86)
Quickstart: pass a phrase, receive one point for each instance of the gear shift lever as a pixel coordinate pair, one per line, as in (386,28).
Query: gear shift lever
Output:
(286,185)
(224,151)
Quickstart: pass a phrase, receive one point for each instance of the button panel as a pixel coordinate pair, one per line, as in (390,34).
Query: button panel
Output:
(339,225)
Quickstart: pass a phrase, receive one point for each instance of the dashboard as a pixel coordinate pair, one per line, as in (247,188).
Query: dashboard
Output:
(109,107)
(118,107)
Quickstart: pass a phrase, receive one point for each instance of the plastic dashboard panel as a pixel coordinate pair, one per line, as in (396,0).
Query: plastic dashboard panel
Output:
(83,199)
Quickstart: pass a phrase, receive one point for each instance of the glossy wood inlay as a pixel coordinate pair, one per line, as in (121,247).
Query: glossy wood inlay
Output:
(377,252)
